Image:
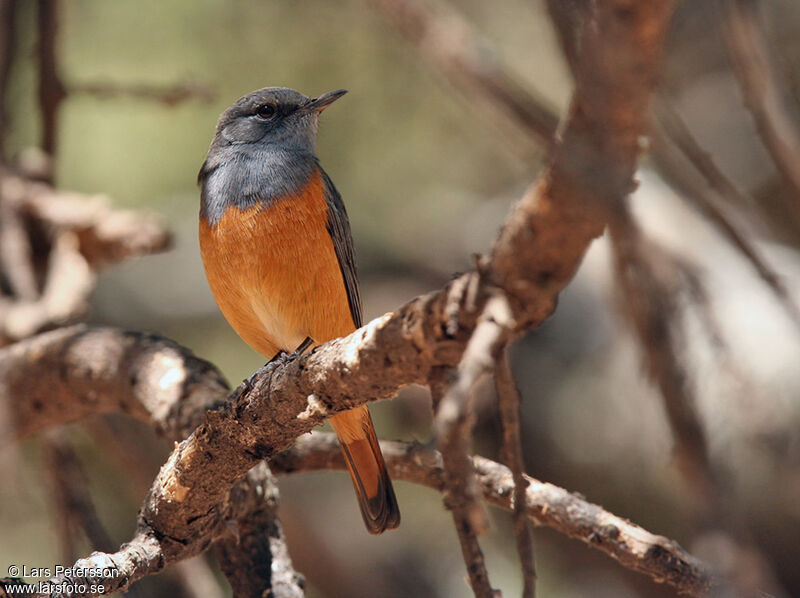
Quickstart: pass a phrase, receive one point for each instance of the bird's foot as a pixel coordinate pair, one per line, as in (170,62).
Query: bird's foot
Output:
(303,346)
(281,358)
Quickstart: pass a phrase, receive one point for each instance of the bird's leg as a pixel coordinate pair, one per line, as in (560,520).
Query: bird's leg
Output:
(303,346)
(281,358)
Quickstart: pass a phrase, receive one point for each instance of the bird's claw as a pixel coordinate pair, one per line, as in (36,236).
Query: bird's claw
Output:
(281,358)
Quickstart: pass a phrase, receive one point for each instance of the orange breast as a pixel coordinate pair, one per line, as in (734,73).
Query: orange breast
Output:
(274,272)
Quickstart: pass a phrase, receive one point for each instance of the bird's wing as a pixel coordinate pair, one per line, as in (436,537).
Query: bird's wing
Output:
(339,229)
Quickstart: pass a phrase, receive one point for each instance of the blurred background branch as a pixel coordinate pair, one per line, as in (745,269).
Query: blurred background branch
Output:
(763,91)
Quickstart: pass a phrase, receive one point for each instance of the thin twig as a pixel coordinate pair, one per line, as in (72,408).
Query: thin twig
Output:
(750,57)
(453,423)
(74,507)
(59,502)
(169,95)
(509,401)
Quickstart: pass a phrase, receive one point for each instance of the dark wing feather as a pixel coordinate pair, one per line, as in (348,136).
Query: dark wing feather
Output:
(339,229)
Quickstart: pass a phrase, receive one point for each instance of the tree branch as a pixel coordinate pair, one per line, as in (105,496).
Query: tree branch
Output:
(453,423)
(509,401)
(545,504)
(411,17)
(108,370)
(71,373)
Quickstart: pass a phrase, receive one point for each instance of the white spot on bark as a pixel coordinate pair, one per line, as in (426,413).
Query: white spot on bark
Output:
(314,408)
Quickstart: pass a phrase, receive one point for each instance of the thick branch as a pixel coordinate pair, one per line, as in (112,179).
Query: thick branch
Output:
(72,373)
(131,365)
(127,368)
(659,558)
(413,17)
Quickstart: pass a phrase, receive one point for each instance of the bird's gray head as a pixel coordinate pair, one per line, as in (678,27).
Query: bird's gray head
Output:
(263,149)
(274,116)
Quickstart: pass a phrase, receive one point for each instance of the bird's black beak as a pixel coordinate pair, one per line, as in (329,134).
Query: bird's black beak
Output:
(319,103)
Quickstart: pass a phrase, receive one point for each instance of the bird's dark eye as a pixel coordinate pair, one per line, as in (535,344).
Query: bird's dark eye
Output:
(266,111)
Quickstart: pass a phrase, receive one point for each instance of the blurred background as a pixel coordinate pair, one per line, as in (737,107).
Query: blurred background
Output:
(428,172)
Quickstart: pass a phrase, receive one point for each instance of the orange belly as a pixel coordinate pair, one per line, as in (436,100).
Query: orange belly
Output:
(274,272)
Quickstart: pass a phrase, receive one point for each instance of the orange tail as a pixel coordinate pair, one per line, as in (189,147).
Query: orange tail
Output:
(367,469)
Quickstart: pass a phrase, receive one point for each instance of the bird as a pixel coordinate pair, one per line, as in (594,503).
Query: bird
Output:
(278,254)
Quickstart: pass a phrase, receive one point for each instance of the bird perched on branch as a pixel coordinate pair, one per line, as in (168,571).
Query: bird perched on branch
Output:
(278,254)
